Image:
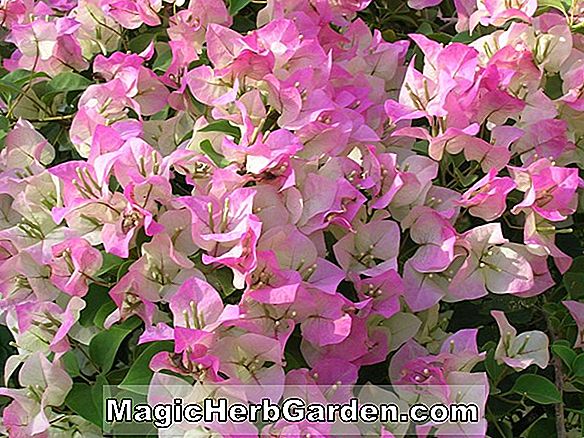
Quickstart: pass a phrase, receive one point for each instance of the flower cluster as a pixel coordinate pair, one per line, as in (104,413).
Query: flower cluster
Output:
(288,205)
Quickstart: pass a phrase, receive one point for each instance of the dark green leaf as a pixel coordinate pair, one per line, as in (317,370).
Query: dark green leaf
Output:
(237,5)
(217,158)
(4,128)
(565,353)
(9,89)
(494,370)
(425,28)
(222,126)
(421,146)
(163,57)
(464,37)
(20,77)
(544,427)
(140,372)
(554,86)
(243,24)
(110,262)
(578,365)
(78,401)
(139,43)
(96,298)
(71,363)
(87,400)
(222,280)
(124,268)
(537,388)
(69,81)
(4,124)
(6,348)
(104,346)
(556,4)
(441,37)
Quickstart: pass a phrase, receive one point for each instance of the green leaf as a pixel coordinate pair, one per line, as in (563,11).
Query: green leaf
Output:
(578,365)
(4,124)
(124,268)
(542,427)
(237,5)
(294,360)
(104,346)
(223,126)
(140,42)
(217,158)
(494,370)
(563,342)
(554,87)
(556,4)
(103,312)
(71,364)
(163,57)
(404,18)
(579,28)
(9,89)
(389,35)
(469,180)
(95,299)
(140,372)
(565,353)
(69,81)
(110,262)
(78,401)
(537,388)
(425,28)
(222,280)
(421,146)
(20,77)
(4,128)
(87,400)
(440,37)
(464,37)
(243,24)
(63,83)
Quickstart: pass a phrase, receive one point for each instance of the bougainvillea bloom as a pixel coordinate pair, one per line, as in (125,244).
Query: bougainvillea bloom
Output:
(292,198)
(521,351)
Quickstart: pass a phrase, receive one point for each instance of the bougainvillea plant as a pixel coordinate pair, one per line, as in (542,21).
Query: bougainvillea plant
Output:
(285,191)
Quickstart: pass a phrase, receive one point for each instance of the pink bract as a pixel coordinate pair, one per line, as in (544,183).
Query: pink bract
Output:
(290,198)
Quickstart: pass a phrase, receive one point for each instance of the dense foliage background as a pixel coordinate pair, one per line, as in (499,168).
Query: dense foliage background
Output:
(158,115)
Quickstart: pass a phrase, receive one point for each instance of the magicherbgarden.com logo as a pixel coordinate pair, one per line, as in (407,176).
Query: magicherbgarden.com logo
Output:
(199,194)
(360,413)
(292,410)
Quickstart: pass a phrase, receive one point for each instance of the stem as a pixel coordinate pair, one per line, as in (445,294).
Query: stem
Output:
(496,423)
(559,407)
(52,118)
(28,86)
(559,379)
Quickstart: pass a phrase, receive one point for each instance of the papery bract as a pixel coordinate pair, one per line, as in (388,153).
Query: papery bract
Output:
(577,311)
(521,351)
